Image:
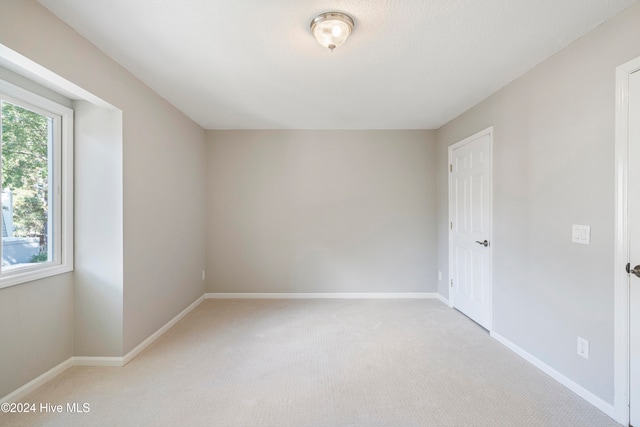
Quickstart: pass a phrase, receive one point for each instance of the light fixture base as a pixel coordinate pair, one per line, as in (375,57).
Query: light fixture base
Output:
(331,29)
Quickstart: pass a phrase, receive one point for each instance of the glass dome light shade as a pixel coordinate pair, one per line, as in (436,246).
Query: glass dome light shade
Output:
(332,29)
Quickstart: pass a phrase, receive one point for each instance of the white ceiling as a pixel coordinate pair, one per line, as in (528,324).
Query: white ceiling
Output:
(253,64)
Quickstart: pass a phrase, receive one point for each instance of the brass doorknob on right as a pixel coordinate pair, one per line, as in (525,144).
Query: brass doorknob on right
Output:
(486,243)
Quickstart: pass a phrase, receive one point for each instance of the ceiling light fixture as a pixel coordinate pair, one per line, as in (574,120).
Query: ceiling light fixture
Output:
(331,29)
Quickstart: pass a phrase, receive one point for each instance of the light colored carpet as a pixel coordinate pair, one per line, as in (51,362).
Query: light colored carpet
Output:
(317,363)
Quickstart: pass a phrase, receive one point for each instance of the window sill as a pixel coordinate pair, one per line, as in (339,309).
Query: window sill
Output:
(30,274)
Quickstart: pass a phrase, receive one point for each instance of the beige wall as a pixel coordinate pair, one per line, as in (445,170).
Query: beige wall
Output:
(98,276)
(164,212)
(321,211)
(162,192)
(37,329)
(554,167)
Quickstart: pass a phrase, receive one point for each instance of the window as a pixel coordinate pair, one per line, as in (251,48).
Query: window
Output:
(36,185)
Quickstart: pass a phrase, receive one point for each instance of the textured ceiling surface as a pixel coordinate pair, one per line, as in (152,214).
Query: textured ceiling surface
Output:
(253,64)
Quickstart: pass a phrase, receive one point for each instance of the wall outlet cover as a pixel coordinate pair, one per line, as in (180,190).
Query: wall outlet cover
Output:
(583,347)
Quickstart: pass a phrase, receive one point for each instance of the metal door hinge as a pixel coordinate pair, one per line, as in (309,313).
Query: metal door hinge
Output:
(451,226)
(450,168)
(451,283)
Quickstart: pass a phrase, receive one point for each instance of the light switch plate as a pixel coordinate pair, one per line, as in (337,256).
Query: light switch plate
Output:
(581,234)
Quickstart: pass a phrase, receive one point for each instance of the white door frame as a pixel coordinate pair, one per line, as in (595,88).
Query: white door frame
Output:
(487,131)
(621,257)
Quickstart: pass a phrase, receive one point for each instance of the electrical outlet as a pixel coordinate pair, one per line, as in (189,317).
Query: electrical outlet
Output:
(583,347)
(439,275)
(203,275)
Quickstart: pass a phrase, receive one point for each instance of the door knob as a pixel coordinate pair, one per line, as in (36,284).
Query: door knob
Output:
(485,244)
(635,270)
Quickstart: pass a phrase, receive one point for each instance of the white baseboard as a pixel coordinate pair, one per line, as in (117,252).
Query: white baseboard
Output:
(121,361)
(146,343)
(38,382)
(441,298)
(605,407)
(95,361)
(326,295)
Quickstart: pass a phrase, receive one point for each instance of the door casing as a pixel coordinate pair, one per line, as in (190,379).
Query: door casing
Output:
(621,255)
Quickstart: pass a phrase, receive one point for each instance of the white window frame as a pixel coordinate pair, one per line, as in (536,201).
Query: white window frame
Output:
(63,187)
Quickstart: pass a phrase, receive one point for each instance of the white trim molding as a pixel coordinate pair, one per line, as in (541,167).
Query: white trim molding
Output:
(121,361)
(146,343)
(602,405)
(327,295)
(441,299)
(621,255)
(96,361)
(38,382)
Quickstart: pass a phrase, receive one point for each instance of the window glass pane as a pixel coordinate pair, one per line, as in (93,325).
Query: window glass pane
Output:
(26,218)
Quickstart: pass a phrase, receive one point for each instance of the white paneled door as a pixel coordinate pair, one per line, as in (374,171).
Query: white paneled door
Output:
(634,248)
(470,250)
